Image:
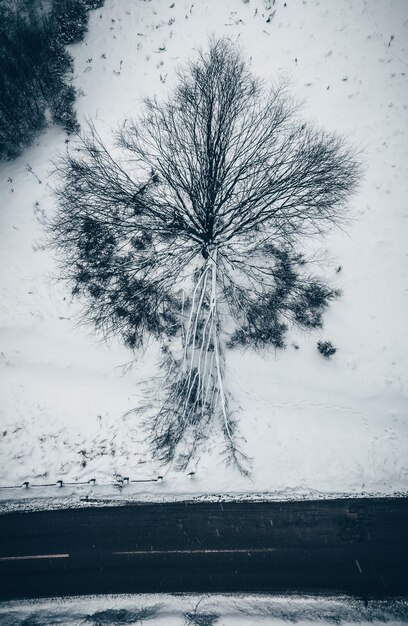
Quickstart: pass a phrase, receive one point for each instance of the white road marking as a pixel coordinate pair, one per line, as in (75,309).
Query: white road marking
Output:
(34,556)
(198,551)
(143,552)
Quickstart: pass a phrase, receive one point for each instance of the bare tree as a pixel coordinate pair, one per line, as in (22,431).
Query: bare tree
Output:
(193,235)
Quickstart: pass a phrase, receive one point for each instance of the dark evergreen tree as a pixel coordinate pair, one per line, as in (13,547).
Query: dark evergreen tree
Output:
(36,69)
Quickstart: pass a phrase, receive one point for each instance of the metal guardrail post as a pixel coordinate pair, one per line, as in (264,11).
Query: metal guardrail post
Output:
(119,481)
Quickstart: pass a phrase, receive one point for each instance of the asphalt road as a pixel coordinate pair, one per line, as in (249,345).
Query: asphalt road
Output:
(357,546)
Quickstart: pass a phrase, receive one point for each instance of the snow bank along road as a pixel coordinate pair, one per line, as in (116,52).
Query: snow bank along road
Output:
(354,546)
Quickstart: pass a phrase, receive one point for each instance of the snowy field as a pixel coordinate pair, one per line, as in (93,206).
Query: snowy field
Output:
(214,610)
(311,426)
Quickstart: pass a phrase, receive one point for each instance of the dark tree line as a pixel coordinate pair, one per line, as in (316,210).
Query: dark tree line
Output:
(192,233)
(36,69)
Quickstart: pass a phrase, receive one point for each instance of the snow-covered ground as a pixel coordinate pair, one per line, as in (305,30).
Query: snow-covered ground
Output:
(338,426)
(226,610)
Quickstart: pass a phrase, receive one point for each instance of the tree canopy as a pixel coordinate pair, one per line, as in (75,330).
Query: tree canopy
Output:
(194,233)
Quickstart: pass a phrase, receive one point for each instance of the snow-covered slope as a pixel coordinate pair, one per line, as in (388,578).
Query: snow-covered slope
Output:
(226,610)
(309,423)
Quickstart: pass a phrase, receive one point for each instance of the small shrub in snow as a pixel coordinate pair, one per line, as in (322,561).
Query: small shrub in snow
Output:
(119,617)
(326,348)
(201,619)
